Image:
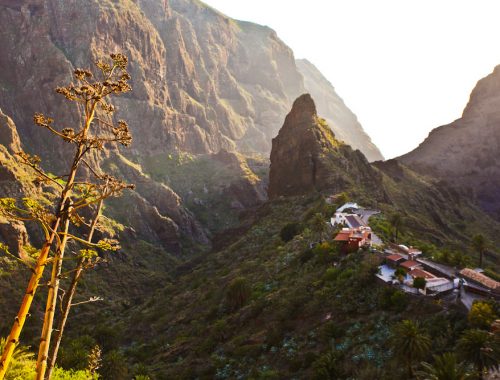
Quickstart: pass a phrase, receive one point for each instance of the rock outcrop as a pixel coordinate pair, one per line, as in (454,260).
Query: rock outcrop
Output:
(465,152)
(306,157)
(339,117)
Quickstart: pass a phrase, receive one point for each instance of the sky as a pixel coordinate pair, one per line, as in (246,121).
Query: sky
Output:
(404,67)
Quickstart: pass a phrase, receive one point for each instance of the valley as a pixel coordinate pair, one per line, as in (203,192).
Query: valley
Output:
(260,234)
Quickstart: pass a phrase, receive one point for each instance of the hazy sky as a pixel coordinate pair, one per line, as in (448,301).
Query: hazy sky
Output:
(403,67)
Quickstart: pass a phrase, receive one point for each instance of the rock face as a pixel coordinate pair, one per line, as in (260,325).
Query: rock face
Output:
(14,234)
(201,81)
(306,157)
(465,152)
(339,117)
(152,211)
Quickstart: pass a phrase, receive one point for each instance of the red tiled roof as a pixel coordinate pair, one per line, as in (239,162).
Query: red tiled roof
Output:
(420,273)
(343,236)
(409,264)
(395,257)
(480,278)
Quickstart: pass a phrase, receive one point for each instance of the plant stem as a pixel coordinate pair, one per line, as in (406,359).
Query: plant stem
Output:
(51,304)
(68,298)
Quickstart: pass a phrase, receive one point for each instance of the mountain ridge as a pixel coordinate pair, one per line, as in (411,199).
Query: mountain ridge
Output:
(464,152)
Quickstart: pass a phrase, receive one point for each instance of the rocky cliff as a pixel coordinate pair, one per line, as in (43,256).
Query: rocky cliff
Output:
(339,117)
(13,234)
(307,157)
(465,152)
(202,83)
(151,212)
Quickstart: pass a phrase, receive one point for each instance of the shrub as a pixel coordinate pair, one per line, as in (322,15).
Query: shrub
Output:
(393,299)
(324,252)
(331,274)
(419,283)
(399,300)
(306,256)
(290,230)
(331,330)
(238,293)
(328,366)
(75,353)
(220,330)
(481,315)
(114,366)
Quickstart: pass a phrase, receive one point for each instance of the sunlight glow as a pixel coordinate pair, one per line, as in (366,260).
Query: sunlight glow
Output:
(403,67)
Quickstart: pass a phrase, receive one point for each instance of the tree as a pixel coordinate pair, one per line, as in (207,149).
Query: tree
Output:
(95,130)
(480,348)
(318,226)
(481,315)
(399,274)
(410,343)
(419,283)
(480,245)
(397,222)
(445,367)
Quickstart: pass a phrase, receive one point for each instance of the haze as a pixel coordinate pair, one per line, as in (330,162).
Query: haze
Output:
(404,67)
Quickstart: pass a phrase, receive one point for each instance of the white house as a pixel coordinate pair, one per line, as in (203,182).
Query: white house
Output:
(348,205)
(349,220)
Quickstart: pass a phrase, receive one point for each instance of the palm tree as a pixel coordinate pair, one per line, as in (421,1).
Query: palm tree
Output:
(445,367)
(479,243)
(480,348)
(410,343)
(318,226)
(396,221)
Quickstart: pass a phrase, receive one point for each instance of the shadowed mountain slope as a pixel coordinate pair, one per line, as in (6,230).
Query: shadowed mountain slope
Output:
(465,152)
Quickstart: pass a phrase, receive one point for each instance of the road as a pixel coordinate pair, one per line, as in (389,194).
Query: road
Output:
(365,216)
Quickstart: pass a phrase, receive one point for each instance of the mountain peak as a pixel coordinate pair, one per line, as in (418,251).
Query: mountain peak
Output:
(304,104)
(306,156)
(302,114)
(339,117)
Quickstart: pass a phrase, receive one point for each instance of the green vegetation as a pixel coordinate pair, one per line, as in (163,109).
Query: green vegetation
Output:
(419,283)
(447,367)
(70,196)
(204,183)
(289,231)
(479,243)
(480,348)
(238,293)
(23,367)
(411,343)
(268,308)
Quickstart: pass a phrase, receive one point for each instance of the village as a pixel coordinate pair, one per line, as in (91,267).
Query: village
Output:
(405,267)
